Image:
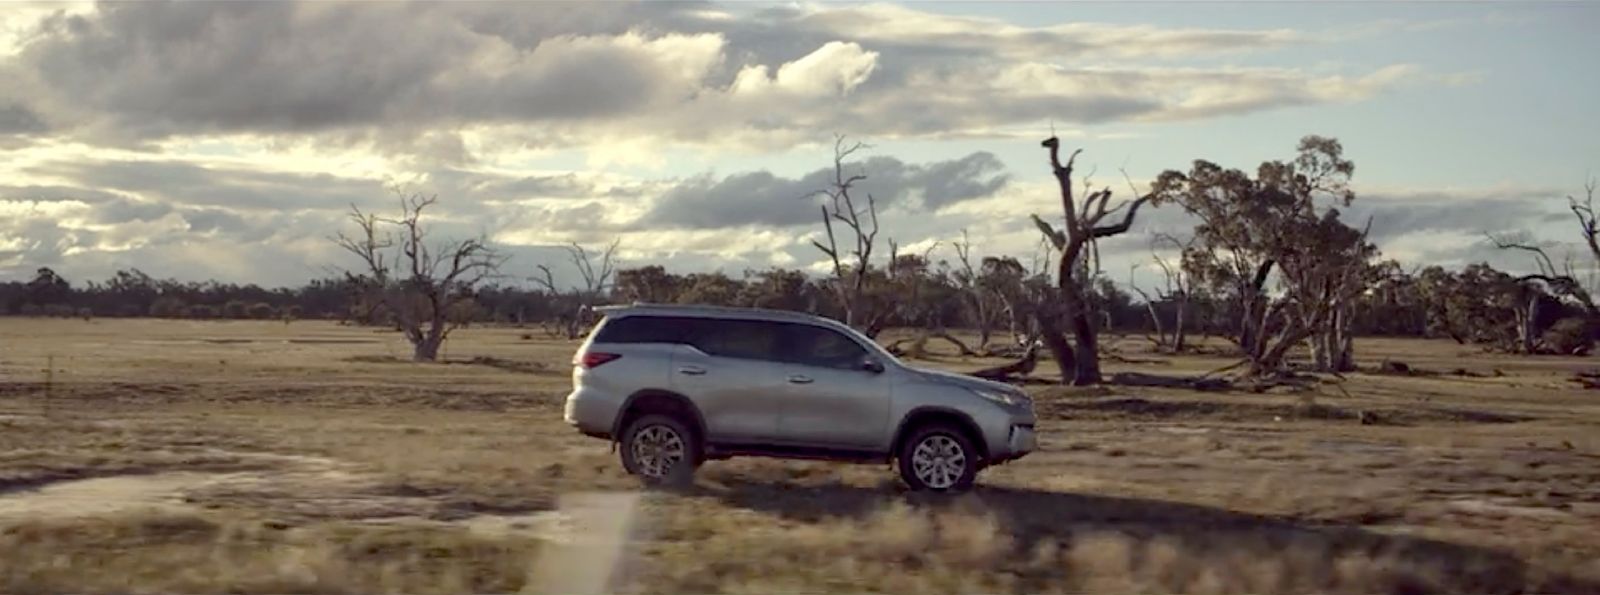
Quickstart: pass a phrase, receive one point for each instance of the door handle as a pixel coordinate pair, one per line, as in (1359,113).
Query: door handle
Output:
(692,370)
(798,379)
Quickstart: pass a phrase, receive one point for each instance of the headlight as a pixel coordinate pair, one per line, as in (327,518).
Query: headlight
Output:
(1002,397)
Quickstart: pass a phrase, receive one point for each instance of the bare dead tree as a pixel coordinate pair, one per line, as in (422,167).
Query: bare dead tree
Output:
(1178,286)
(1160,340)
(1588,226)
(850,268)
(1561,281)
(1082,224)
(419,283)
(596,270)
(977,300)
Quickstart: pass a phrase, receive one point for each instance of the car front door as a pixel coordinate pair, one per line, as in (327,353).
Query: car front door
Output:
(732,371)
(830,400)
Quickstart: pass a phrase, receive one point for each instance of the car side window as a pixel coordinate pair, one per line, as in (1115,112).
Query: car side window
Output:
(644,329)
(823,348)
(743,339)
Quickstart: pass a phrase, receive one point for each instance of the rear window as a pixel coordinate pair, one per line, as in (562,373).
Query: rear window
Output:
(644,329)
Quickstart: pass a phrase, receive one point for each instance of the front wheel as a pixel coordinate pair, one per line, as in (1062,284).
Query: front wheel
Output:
(938,458)
(660,449)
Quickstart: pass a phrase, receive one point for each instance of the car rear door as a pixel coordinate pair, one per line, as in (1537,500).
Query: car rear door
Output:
(732,371)
(829,399)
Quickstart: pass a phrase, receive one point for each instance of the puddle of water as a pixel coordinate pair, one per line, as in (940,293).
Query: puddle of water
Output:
(1490,508)
(104,495)
(1356,447)
(167,491)
(590,533)
(1182,430)
(550,525)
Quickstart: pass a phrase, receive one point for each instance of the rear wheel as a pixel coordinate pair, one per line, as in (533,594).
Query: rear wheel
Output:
(938,458)
(660,449)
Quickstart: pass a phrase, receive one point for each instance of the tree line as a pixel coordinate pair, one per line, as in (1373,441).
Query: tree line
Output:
(1270,266)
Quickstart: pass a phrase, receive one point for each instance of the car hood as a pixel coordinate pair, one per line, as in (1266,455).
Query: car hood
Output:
(963,380)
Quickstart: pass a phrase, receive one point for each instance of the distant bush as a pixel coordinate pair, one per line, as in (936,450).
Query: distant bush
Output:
(168,307)
(260,311)
(86,313)
(1570,336)
(235,309)
(204,312)
(31,310)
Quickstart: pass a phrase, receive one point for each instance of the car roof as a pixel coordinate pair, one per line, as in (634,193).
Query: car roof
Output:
(706,311)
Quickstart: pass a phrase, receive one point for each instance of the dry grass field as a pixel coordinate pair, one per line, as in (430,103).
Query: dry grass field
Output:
(260,457)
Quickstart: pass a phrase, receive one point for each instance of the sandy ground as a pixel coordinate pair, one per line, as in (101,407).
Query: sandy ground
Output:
(161,456)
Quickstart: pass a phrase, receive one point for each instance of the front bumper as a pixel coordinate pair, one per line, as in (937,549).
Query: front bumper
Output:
(1019,442)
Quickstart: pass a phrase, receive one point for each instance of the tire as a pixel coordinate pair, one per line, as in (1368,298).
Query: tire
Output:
(947,458)
(654,437)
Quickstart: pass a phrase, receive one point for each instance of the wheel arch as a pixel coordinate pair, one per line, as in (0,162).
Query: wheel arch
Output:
(659,401)
(923,416)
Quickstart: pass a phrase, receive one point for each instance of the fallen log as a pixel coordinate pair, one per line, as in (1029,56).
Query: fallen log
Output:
(1020,368)
(1589,380)
(1191,383)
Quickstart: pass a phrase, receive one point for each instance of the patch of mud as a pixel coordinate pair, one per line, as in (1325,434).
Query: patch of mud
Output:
(1351,446)
(509,365)
(551,525)
(236,341)
(312,394)
(1147,409)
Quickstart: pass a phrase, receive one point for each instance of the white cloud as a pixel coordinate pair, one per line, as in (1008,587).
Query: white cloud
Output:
(621,83)
(832,70)
(209,137)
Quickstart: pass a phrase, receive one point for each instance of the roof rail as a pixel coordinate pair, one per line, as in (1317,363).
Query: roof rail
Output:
(704,308)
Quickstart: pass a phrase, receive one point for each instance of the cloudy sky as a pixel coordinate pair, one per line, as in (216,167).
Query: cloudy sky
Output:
(226,139)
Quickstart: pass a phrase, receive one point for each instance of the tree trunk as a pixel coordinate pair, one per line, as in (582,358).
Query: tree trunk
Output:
(1272,359)
(1342,345)
(1054,340)
(1088,352)
(1177,326)
(1155,319)
(1321,344)
(1525,324)
(426,348)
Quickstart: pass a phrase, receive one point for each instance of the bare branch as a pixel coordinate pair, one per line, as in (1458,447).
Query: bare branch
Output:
(1546,266)
(1127,220)
(1056,238)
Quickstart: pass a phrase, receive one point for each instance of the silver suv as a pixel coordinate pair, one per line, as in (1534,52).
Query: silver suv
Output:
(679,385)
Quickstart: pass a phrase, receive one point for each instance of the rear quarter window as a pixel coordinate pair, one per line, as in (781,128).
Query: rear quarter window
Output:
(644,329)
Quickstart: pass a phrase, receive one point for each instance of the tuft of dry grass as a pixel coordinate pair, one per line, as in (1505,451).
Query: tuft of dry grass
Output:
(164,553)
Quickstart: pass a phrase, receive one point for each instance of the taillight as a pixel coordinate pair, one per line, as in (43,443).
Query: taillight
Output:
(595,359)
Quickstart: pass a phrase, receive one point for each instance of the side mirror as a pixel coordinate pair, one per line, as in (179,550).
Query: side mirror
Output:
(872,365)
